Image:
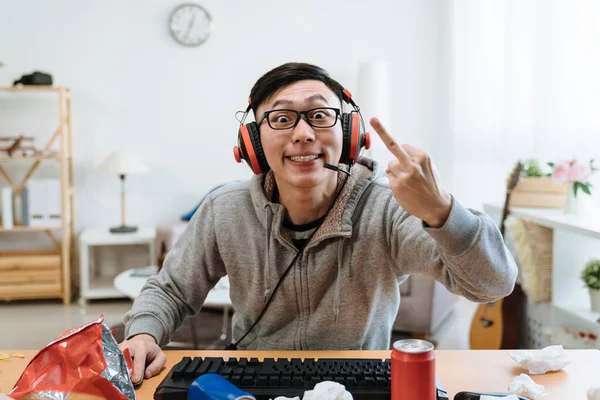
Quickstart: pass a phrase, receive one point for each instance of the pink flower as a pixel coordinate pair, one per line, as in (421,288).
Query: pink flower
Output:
(579,172)
(560,174)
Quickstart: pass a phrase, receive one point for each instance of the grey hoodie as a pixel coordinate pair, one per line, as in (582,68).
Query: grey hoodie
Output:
(343,291)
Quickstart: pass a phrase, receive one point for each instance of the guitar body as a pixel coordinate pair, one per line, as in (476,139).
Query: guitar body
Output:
(487,327)
(497,325)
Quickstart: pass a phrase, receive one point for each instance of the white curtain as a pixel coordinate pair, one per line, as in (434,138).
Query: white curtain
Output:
(522,80)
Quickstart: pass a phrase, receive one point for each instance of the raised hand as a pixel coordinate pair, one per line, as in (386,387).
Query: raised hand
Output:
(414,181)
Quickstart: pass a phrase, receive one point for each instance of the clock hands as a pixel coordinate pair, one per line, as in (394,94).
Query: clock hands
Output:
(190,26)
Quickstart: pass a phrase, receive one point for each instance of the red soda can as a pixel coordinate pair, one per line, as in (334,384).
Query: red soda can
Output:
(412,370)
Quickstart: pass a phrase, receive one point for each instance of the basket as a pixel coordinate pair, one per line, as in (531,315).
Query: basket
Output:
(534,247)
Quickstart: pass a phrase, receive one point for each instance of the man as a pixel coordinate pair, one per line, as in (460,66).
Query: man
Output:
(315,256)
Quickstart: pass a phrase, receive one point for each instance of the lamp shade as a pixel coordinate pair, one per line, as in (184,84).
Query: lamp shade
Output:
(123,163)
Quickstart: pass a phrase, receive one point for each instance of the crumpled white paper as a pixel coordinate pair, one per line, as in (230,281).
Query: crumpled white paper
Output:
(523,385)
(551,358)
(593,393)
(509,397)
(326,390)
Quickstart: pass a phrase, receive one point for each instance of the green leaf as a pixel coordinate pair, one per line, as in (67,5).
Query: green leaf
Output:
(586,189)
(575,187)
(550,164)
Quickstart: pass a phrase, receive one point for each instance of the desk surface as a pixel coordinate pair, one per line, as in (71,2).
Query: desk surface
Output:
(459,370)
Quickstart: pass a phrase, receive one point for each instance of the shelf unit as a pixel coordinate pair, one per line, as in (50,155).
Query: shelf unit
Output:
(43,274)
(576,239)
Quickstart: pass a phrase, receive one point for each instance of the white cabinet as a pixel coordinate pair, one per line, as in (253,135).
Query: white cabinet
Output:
(576,239)
(93,287)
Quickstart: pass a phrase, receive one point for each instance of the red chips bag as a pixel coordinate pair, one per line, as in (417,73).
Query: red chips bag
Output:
(83,362)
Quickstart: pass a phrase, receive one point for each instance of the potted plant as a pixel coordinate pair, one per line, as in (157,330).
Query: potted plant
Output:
(591,277)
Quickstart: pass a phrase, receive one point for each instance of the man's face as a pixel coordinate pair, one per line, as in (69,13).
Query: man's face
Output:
(297,155)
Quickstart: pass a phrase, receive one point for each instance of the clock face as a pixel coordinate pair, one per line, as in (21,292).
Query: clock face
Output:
(190,24)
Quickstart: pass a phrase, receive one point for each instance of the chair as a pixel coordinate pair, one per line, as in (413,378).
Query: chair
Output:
(424,305)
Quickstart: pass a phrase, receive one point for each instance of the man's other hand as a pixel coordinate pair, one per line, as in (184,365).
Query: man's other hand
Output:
(148,357)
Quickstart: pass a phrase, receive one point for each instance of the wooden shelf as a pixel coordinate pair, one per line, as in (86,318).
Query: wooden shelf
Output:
(583,224)
(31,228)
(22,88)
(59,282)
(28,158)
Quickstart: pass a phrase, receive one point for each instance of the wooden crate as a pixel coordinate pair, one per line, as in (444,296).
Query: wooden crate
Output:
(539,192)
(33,274)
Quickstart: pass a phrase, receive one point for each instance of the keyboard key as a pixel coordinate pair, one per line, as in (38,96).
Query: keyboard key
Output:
(216,365)
(232,361)
(181,366)
(274,381)
(286,381)
(236,379)
(381,382)
(190,370)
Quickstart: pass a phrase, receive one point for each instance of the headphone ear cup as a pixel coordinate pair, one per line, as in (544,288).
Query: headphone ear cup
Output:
(352,135)
(346,132)
(251,148)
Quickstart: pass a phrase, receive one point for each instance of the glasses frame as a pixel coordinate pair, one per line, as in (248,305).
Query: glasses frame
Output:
(298,115)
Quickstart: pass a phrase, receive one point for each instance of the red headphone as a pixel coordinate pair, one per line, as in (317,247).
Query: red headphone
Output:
(355,138)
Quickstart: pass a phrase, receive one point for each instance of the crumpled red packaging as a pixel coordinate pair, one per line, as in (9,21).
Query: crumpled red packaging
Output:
(83,363)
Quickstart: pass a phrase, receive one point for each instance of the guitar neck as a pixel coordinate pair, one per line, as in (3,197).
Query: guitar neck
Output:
(504,213)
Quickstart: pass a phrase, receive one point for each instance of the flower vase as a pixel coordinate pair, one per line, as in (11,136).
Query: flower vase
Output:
(595,299)
(572,205)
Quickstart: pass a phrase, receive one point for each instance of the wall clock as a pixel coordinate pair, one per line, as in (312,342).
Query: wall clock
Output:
(190,24)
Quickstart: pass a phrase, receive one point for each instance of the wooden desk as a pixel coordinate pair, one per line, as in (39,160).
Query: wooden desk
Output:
(459,370)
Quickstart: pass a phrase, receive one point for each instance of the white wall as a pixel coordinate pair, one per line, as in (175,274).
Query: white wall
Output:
(135,88)
(520,81)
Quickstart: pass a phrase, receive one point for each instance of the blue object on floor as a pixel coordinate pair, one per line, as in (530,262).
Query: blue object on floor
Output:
(188,216)
(215,387)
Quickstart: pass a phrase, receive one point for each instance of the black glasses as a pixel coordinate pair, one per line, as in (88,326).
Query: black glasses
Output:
(322,117)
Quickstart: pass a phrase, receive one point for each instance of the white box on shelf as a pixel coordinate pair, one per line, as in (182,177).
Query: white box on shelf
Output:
(44,202)
(7,207)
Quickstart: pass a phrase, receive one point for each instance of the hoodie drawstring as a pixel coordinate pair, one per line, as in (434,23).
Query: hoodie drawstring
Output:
(268,254)
(338,282)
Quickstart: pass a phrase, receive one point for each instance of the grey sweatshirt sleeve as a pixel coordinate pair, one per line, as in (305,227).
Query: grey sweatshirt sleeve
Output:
(189,271)
(467,254)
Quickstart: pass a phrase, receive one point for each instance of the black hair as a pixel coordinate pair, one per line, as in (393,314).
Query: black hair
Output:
(287,74)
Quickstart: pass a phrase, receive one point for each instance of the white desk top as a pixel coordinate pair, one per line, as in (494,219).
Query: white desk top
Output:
(93,236)
(132,286)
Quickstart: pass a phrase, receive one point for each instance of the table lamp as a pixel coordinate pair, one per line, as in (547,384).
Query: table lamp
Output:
(123,163)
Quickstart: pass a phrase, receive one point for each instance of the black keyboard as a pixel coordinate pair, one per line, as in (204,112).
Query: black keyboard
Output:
(366,379)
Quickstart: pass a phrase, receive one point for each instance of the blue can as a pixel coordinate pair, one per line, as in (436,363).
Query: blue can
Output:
(215,387)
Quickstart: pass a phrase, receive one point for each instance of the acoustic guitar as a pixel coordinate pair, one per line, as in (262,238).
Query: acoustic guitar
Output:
(497,325)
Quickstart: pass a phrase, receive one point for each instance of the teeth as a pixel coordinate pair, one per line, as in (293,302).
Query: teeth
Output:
(303,158)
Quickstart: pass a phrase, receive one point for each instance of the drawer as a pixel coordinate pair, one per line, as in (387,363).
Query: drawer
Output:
(22,276)
(29,261)
(31,291)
